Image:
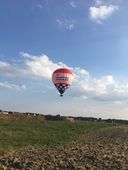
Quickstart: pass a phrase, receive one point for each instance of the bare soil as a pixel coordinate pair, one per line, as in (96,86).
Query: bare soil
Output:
(107,149)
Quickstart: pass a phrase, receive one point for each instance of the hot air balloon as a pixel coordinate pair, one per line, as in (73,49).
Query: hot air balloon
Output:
(62,79)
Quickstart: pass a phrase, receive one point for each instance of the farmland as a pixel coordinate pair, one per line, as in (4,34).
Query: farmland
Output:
(38,144)
(21,133)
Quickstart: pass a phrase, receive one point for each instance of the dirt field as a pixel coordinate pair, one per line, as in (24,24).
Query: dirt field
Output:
(107,149)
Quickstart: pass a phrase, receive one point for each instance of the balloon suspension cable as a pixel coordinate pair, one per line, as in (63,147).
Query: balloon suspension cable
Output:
(61,95)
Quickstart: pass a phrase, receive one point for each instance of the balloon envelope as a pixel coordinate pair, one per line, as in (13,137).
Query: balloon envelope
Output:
(62,79)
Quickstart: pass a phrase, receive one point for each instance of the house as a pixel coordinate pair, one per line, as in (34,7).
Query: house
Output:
(70,119)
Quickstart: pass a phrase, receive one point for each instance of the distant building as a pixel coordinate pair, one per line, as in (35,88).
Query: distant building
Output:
(4,112)
(70,119)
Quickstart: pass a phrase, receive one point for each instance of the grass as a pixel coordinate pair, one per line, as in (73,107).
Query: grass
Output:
(17,134)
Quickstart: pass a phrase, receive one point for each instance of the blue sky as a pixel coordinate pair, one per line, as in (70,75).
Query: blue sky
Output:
(89,37)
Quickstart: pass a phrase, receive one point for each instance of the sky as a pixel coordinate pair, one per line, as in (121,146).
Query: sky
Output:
(89,37)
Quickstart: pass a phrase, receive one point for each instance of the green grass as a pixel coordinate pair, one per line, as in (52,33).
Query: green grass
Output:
(17,134)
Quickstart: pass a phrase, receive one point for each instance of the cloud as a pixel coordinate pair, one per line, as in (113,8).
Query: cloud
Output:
(41,66)
(73,4)
(85,86)
(32,66)
(12,86)
(102,89)
(39,6)
(10,70)
(65,23)
(102,12)
(98,2)
(80,97)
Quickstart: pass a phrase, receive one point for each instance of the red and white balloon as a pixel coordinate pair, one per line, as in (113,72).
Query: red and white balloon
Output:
(62,78)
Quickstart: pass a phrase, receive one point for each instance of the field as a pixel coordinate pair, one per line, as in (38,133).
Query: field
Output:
(16,134)
(36,145)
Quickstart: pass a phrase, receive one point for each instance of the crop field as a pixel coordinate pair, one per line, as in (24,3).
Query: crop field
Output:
(16,134)
(62,145)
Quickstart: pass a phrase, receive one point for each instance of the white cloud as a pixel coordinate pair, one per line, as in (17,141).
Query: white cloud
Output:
(103,84)
(70,26)
(98,2)
(65,23)
(39,6)
(59,22)
(102,12)
(102,89)
(84,86)
(41,66)
(73,4)
(33,66)
(10,70)
(12,86)
(81,97)
(26,55)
